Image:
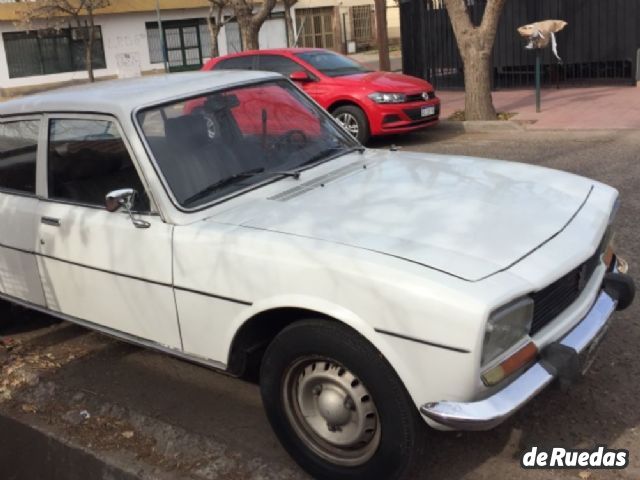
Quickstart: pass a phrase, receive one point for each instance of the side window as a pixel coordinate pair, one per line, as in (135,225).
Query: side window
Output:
(88,159)
(278,64)
(236,63)
(18,150)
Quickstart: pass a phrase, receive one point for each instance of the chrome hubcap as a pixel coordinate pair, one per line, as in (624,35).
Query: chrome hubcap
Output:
(349,122)
(331,411)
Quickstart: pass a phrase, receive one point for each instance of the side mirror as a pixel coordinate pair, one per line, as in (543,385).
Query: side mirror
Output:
(125,198)
(300,76)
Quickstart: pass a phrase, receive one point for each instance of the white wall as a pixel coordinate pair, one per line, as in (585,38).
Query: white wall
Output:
(126,33)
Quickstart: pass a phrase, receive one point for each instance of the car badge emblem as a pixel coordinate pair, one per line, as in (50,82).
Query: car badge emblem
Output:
(425,95)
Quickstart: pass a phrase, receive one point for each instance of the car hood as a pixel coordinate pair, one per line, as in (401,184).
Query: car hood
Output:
(468,217)
(387,82)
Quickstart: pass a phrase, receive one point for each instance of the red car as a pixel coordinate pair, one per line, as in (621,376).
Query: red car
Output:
(367,103)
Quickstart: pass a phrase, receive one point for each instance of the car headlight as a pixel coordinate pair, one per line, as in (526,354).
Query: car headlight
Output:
(506,327)
(380,97)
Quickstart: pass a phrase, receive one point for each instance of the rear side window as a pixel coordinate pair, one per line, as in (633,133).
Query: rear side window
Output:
(18,150)
(236,63)
(88,159)
(278,64)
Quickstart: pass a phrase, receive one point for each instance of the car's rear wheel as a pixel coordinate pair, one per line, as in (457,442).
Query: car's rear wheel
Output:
(337,406)
(354,120)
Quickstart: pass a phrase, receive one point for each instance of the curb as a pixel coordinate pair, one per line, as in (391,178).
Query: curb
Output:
(31,452)
(468,126)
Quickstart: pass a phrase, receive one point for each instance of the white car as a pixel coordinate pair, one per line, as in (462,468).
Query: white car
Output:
(225,218)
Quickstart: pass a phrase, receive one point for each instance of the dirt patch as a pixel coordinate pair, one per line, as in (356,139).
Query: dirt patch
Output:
(459,116)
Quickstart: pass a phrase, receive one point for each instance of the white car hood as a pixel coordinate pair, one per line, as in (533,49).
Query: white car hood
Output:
(465,216)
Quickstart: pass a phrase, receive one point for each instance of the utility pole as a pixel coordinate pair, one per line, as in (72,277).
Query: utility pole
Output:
(383,38)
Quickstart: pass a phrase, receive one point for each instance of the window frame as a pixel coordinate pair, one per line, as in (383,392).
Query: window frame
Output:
(22,118)
(44,161)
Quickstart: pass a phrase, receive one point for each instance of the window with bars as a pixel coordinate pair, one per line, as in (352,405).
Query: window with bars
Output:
(362,20)
(155,45)
(43,52)
(316,27)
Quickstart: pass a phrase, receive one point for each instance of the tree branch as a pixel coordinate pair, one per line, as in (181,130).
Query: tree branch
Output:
(490,19)
(460,19)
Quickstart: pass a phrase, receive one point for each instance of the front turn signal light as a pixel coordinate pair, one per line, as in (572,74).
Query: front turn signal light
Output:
(511,364)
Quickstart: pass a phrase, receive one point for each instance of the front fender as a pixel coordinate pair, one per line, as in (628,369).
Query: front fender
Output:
(408,375)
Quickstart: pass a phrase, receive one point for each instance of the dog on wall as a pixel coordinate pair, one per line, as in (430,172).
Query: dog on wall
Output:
(541,33)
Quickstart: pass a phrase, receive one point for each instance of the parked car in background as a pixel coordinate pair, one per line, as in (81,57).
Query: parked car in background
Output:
(225,218)
(367,103)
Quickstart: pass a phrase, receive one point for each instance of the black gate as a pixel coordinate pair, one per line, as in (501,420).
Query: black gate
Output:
(600,44)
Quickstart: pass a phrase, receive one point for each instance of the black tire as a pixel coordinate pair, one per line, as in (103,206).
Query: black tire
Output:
(351,111)
(402,433)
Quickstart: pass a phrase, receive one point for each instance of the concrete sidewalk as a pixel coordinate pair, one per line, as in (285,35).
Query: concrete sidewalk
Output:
(593,108)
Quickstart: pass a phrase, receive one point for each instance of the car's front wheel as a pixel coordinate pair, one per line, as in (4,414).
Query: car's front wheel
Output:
(354,120)
(337,406)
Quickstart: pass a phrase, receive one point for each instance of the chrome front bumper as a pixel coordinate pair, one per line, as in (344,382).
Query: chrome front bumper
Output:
(487,413)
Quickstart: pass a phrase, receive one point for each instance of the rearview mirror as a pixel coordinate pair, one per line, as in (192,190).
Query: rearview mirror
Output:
(125,198)
(300,76)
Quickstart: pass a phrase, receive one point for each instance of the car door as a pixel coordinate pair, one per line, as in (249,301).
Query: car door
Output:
(19,278)
(95,265)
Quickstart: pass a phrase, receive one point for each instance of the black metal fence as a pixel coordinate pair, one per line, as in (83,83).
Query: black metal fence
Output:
(599,45)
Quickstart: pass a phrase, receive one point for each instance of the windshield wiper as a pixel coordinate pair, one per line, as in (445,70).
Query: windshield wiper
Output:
(233,178)
(329,154)
(222,183)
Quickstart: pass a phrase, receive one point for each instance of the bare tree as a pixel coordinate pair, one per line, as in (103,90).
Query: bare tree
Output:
(288,20)
(52,13)
(250,22)
(475,44)
(216,21)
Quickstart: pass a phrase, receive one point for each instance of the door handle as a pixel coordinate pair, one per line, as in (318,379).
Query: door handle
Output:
(54,222)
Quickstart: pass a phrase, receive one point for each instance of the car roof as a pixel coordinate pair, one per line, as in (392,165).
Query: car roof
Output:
(120,97)
(273,51)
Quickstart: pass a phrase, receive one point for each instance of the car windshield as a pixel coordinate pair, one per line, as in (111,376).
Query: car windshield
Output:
(216,144)
(332,64)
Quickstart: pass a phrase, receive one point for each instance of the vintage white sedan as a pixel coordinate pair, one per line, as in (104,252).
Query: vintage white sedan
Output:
(226,219)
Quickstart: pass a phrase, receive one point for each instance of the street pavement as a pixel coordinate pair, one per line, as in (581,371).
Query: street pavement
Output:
(166,418)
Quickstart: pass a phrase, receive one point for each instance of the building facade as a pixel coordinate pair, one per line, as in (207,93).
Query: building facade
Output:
(127,43)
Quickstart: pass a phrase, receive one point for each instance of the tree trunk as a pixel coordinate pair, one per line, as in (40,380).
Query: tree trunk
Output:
(214,30)
(478,103)
(291,33)
(475,44)
(249,34)
(87,41)
(382,34)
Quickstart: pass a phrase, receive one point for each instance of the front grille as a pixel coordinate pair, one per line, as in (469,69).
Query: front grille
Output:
(551,301)
(416,113)
(417,97)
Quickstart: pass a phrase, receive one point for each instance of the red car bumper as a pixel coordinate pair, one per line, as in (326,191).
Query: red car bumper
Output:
(390,118)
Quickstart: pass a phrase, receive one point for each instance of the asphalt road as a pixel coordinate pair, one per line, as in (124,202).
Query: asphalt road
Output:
(166,418)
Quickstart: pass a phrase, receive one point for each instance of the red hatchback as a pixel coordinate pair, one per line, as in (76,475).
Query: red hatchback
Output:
(367,103)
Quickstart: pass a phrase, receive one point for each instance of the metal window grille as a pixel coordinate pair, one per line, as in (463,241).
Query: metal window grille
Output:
(180,35)
(361,20)
(44,52)
(598,46)
(316,27)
